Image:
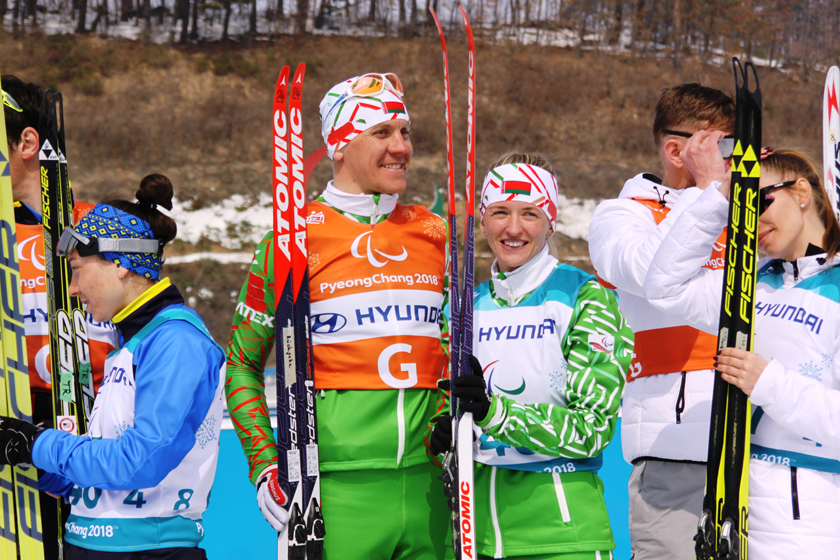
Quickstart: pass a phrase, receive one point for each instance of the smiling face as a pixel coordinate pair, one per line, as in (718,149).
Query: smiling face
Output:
(781,228)
(516,232)
(99,284)
(375,161)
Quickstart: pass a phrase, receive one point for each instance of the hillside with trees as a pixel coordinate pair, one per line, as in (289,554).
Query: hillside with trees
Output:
(200,113)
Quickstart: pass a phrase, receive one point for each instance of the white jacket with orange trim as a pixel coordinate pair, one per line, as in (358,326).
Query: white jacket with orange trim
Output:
(664,415)
(796,400)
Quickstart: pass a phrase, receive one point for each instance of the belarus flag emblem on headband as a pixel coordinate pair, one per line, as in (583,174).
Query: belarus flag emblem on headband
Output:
(521,182)
(393,107)
(516,187)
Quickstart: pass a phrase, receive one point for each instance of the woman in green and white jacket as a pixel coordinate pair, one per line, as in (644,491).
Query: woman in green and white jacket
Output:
(553,349)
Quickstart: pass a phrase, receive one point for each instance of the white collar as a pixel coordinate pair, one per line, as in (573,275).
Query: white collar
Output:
(810,265)
(360,204)
(520,282)
(642,187)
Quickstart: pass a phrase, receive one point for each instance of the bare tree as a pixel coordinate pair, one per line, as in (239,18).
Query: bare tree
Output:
(182,12)
(615,28)
(228,5)
(194,27)
(252,21)
(82,21)
(16,13)
(677,35)
(147,21)
(300,16)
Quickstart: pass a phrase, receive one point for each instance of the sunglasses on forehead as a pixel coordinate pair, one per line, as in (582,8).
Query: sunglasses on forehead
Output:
(369,85)
(10,102)
(726,145)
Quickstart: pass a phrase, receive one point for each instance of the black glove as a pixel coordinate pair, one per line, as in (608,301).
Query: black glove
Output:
(16,440)
(441,439)
(471,391)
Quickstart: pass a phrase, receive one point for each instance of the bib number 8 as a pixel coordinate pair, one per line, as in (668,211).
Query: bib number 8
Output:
(185,496)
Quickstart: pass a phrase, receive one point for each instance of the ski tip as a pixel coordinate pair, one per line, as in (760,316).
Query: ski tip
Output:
(466,19)
(299,73)
(283,77)
(437,23)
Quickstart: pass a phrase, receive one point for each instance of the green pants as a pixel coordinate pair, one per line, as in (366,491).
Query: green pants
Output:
(385,514)
(540,515)
(603,555)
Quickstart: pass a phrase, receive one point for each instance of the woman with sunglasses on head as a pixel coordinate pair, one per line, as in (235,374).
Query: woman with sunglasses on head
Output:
(555,349)
(792,377)
(377,283)
(139,481)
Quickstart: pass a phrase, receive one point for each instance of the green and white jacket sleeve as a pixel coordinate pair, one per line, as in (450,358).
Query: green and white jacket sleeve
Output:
(593,385)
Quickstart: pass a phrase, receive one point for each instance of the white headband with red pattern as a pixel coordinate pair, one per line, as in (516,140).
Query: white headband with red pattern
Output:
(344,116)
(523,183)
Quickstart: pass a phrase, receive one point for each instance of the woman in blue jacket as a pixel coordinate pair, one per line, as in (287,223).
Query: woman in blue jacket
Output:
(139,480)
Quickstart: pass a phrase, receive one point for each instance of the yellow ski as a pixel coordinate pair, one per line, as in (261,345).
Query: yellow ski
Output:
(21,534)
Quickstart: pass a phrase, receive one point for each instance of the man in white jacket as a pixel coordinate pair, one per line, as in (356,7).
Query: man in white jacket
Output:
(666,402)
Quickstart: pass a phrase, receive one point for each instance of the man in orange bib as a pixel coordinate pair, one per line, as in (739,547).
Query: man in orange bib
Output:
(667,400)
(21,106)
(377,277)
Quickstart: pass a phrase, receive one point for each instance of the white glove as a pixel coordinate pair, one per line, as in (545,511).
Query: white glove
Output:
(271,499)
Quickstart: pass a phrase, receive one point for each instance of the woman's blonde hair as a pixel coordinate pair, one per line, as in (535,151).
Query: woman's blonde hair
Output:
(522,157)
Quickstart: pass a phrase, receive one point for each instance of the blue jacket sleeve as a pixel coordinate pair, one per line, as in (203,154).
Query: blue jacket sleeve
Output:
(55,484)
(177,374)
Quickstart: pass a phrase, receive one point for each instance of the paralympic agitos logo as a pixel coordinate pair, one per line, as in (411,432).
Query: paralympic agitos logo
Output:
(369,252)
(28,251)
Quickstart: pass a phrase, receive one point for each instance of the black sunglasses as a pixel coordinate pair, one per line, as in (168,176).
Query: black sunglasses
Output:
(726,145)
(765,199)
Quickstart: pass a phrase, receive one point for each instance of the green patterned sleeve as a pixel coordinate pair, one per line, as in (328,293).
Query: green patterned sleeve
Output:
(593,387)
(251,341)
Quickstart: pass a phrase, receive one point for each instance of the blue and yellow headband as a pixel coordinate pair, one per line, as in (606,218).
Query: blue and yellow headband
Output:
(104,222)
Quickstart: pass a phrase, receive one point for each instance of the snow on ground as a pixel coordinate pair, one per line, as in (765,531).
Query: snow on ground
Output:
(236,224)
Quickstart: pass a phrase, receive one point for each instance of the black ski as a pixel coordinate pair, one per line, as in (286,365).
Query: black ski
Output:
(723,527)
(297,437)
(72,383)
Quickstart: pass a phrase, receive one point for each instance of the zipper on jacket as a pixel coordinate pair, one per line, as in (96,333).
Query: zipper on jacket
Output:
(681,398)
(561,498)
(400,425)
(795,270)
(794,493)
(494,515)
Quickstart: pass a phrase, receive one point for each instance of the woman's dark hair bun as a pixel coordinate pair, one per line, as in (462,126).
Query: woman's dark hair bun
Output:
(155,189)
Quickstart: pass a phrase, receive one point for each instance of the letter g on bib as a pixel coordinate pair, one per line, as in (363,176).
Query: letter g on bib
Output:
(385,369)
